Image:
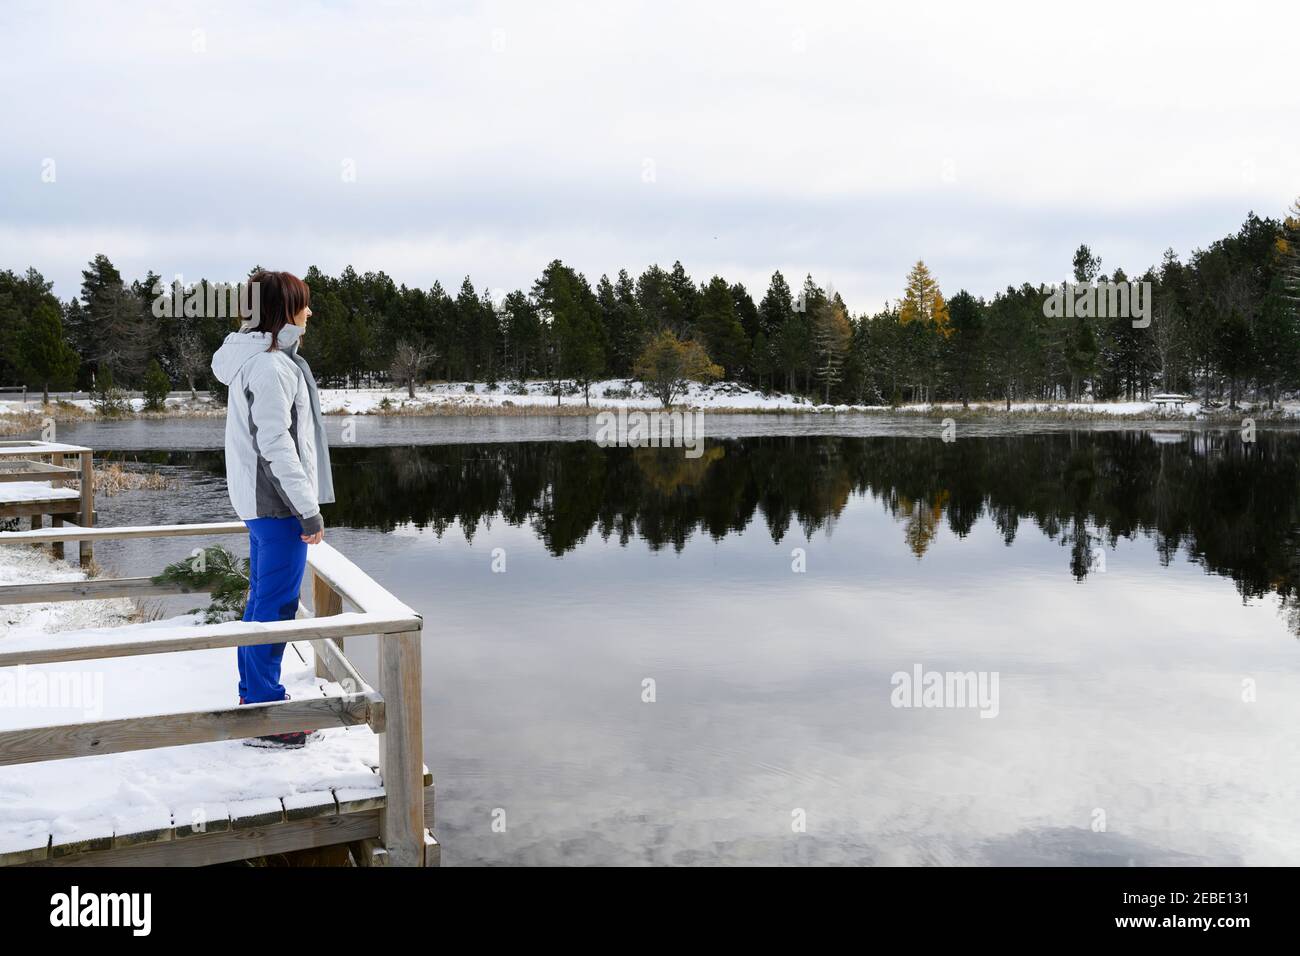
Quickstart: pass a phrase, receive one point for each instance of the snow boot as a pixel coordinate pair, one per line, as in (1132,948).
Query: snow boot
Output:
(289,741)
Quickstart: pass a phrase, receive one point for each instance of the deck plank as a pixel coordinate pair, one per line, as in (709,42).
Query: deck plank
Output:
(28,845)
(357,799)
(203,819)
(306,806)
(231,845)
(87,836)
(257,813)
(153,825)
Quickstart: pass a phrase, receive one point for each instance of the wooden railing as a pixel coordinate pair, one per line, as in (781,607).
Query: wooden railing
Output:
(393,711)
(20,460)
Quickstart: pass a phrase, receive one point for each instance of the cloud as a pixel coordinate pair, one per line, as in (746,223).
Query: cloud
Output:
(835,139)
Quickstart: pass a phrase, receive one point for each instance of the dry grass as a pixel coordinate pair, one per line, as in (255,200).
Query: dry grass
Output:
(146,610)
(471,411)
(33,418)
(112,479)
(20,422)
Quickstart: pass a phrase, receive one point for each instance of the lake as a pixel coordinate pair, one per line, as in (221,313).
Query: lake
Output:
(636,657)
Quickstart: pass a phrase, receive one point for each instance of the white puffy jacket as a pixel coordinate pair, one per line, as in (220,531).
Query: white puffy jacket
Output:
(277,459)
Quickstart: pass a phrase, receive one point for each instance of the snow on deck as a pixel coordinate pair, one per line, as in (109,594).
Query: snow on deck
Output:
(87,797)
(15,491)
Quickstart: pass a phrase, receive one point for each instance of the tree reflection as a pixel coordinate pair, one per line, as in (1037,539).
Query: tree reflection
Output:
(1228,505)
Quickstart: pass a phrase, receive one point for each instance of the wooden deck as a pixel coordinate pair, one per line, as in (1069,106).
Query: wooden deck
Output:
(20,462)
(381,802)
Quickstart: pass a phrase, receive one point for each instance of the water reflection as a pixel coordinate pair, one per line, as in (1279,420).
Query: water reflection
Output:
(1227,504)
(1121,691)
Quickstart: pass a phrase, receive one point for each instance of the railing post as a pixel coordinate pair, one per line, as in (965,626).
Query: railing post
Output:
(325,602)
(56,549)
(401,762)
(87,548)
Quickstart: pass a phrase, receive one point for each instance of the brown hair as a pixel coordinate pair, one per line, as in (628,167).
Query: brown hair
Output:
(272,300)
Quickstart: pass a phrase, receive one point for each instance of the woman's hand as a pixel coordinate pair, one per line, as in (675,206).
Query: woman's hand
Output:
(316,538)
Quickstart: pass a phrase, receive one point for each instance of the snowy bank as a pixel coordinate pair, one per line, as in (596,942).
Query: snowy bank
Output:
(538,397)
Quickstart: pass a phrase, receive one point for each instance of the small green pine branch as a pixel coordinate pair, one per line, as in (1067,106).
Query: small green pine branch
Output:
(217,571)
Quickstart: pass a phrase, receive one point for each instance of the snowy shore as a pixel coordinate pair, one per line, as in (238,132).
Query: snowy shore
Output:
(538,397)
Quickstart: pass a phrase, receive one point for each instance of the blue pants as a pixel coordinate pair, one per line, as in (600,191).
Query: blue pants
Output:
(277,557)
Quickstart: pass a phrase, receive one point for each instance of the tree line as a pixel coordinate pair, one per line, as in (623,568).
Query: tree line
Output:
(1224,326)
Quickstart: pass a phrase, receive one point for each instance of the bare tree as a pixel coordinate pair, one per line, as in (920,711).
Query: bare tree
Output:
(191,359)
(409,362)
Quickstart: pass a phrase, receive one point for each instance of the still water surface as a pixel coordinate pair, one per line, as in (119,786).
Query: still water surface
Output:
(1129,588)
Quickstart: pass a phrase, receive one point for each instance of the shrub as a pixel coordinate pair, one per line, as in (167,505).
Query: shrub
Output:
(156,387)
(109,400)
(668,366)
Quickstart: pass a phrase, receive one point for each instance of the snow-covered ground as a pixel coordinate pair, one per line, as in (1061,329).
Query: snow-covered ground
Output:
(612,393)
(86,797)
(729,396)
(476,398)
(134,405)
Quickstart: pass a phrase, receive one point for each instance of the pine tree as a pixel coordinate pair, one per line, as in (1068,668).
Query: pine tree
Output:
(576,333)
(631,325)
(156,386)
(1086,265)
(684,303)
(119,330)
(966,342)
(1277,340)
(831,337)
(45,356)
(775,313)
(723,335)
(746,310)
(522,330)
(1009,337)
(655,298)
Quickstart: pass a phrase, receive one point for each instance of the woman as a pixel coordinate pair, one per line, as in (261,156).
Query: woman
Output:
(277,468)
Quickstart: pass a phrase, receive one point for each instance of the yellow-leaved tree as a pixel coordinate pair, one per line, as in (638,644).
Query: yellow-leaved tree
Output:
(923,302)
(1288,248)
(667,366)
(924,307)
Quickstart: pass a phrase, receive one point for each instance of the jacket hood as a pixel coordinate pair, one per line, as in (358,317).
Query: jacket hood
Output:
(239,347)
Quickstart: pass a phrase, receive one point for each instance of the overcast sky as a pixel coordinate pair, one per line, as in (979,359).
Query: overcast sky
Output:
(842,139)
